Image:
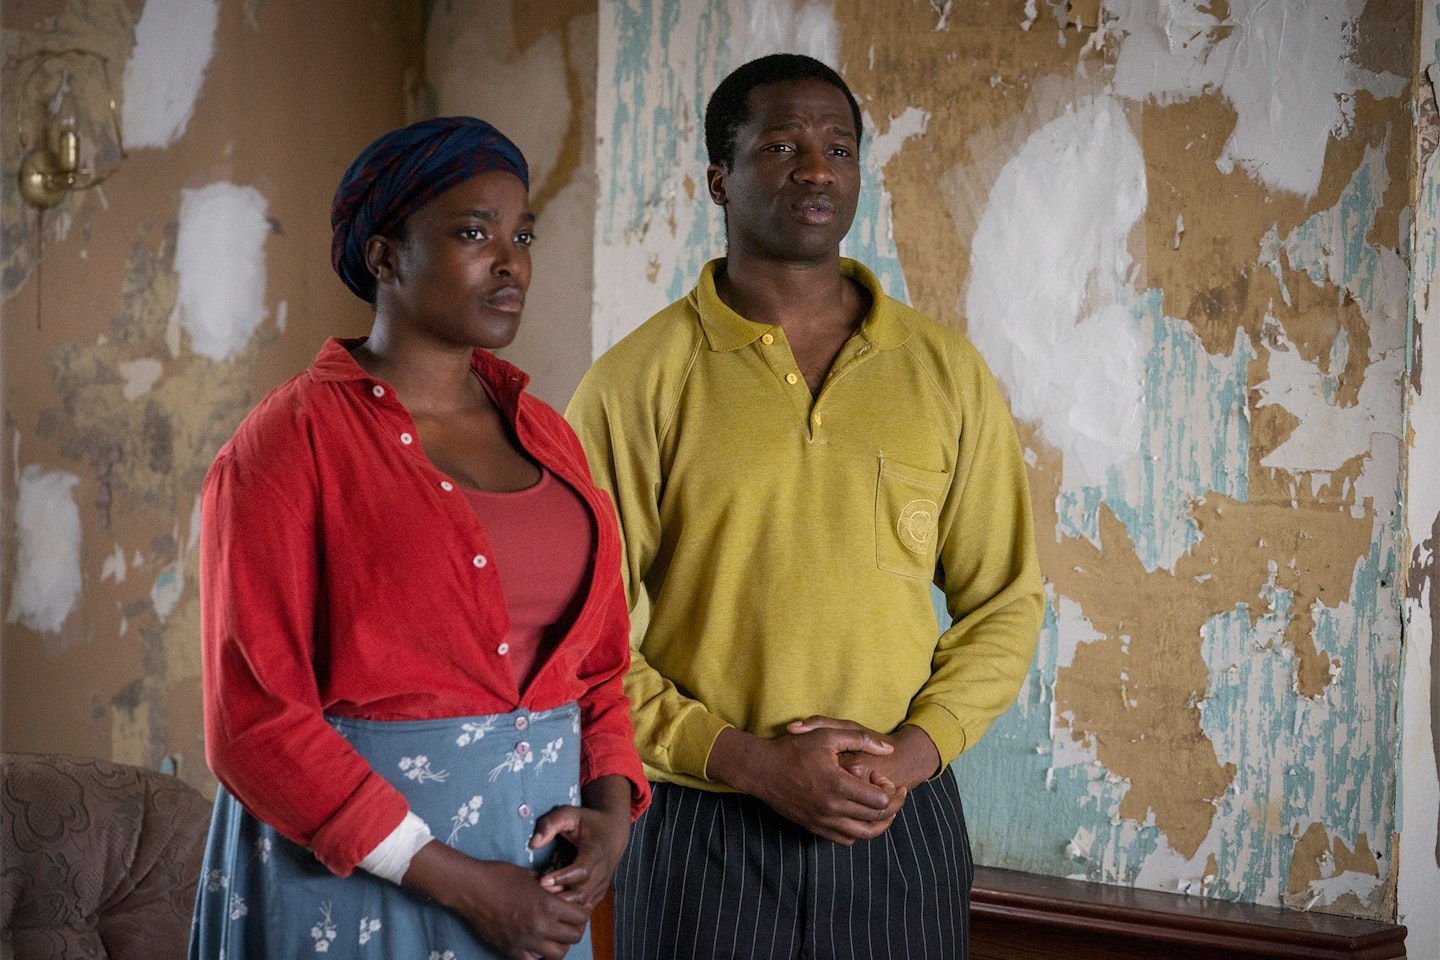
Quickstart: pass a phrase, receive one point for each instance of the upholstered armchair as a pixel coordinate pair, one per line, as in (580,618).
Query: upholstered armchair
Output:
(97,859)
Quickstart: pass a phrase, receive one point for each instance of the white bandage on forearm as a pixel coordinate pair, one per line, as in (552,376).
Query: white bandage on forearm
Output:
(391,857)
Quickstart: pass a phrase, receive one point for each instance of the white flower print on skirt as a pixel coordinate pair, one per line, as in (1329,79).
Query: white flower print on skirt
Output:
(477,781)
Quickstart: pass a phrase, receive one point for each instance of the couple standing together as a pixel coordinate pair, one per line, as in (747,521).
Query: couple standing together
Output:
(431,653)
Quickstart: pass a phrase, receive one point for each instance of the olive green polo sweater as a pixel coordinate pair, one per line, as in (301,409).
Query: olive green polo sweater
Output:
(780,548)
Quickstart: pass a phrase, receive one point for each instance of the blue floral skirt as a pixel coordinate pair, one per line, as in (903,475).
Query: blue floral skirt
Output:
(479,782)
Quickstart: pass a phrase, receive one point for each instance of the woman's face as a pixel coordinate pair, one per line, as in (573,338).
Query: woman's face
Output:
(461,270)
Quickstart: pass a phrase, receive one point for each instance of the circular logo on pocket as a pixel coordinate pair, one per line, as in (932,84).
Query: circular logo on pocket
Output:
(916,526)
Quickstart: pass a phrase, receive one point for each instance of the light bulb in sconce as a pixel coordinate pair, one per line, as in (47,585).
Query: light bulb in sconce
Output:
(67,132)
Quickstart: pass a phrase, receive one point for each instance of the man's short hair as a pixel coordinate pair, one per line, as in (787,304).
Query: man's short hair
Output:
(728,109)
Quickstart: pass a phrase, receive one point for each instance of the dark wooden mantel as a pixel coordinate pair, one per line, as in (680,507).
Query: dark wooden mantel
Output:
(1022,916)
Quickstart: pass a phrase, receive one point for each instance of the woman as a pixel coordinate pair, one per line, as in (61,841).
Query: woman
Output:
(414,628)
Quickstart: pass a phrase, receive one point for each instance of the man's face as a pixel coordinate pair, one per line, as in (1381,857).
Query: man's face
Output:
(790,193)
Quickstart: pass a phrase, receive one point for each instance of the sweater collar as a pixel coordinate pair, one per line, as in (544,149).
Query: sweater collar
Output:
(725,329)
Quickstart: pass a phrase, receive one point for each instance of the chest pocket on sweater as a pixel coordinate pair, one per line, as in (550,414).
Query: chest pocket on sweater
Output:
(907,518)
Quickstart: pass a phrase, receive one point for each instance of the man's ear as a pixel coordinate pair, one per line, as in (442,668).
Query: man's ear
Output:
(381,258)
(715,180)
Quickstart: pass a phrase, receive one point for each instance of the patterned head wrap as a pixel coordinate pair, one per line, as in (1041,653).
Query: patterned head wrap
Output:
(400,173)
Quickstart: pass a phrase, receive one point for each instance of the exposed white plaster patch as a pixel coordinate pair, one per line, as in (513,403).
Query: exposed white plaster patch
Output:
(174,43)
(1282,64)
(1079,846)
(1072,629)
(884,145)
(62,225)
(1327,890)
(47,554)
(1047,300)
(140,375)
(220,260)
(782,25)
(943,11)
(114,566)
(1327,435)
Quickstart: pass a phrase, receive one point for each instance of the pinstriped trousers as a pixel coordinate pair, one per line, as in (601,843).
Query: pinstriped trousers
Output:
(721,876)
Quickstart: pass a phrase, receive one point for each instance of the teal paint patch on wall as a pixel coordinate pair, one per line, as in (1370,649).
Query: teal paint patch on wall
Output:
(869,238)
(1195,440)
(1334,244)
(1047,806)
(1248,711)
(1298,760)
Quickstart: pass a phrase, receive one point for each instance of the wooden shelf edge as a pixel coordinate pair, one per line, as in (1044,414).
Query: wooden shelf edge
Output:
(1156,917)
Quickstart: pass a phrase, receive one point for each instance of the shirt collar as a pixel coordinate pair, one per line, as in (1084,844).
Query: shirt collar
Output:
(727,330)
(505,380)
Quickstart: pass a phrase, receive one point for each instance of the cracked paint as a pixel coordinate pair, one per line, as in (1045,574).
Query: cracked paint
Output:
(107,381)
(1213,706)
(1419,845)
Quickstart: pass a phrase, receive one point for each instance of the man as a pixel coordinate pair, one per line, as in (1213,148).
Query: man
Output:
(795,458)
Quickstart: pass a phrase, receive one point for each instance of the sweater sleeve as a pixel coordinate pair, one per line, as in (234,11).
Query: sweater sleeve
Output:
(608,738)
(988,570)
(608,745)
(266,738)
(621,437)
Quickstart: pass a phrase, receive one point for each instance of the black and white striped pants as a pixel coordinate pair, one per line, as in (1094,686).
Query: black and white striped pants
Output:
(721,875)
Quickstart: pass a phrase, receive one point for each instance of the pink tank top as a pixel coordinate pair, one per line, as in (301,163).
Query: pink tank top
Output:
(543,544)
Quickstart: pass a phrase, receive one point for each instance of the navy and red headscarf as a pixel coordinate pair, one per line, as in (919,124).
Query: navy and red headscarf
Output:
(400,173)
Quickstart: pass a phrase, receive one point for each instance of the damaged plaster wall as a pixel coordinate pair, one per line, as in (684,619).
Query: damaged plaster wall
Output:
(1420,742)
(144,317)
(498,59)
(1189,269)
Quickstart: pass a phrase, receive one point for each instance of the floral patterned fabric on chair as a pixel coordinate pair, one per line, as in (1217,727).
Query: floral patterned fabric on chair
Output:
(97,859)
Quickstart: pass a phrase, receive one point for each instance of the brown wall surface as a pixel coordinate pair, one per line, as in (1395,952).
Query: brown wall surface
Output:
(499,59)
(104,384)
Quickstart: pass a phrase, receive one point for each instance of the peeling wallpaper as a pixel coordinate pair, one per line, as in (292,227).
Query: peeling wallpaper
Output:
(529,68)
(1189,269)
(1419,806)
(142,320)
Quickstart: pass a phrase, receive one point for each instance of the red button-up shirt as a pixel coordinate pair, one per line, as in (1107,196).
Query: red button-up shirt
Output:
(343,573)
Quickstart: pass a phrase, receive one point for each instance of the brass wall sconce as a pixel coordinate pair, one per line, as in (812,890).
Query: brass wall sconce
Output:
(64,147)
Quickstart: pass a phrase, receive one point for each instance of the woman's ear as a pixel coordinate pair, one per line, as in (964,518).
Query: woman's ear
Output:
(381,259)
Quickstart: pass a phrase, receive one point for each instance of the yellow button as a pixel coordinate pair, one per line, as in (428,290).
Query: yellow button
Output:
(791,378)
(768,339)
(817,420)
